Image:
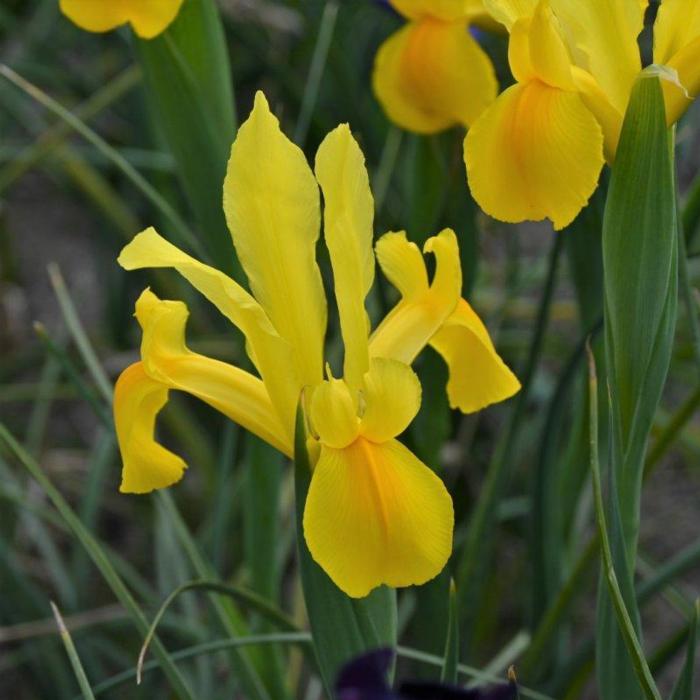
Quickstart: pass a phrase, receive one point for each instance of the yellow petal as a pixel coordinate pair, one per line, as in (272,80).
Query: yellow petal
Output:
(603,35)
(95,16)
(478,376)
(607,115)
(237,394)
(271,354)
(448,10)
(535,154)
(377,515)
(686,63)
(677,45)
(334,413)
(392,395)
(423,309)
(508,12)
(152,17)
(677,25)
(420,78)
(348,223)
(271,201)
(146,465)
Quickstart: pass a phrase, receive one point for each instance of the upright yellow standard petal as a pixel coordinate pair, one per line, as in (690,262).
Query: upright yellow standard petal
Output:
(146,465)
(602,36)
(237,394)
(333,413)
(508,12)
(348,228)
(271,354)
(448,10)
(535,154)
(151,17)
(677,45)
(271,201)
(392,395)
(93,16)
(377,515)
(421,81)
(478,377)
(677,25)
(423,309)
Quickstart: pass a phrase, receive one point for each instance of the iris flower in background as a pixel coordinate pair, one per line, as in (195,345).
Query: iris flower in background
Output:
(374,513)
(432,74)
(147,17)
(538,150)
(365,678)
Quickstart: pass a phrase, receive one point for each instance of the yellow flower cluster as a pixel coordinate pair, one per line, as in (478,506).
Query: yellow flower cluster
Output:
(537,150)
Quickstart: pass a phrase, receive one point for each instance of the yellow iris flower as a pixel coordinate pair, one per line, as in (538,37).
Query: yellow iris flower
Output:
(432,74)
(147,17)
(374,513)
(537,152)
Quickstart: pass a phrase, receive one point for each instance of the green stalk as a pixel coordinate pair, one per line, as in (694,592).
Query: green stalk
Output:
(477,551)
(72,652)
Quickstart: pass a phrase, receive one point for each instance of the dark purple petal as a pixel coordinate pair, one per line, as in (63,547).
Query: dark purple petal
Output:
(436,691)
(365,678)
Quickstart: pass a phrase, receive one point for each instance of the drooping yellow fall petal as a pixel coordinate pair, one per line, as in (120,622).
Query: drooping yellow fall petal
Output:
(423,309)
(272,207)
(95,16)
(602,37)
(271,354)
(237,394)
(536,153)
(151,17)
(147,465)
(148,18)
(478,377)
(377,515)
(348,230)
(448,10)
(421,81)
(392,395)
(334,413)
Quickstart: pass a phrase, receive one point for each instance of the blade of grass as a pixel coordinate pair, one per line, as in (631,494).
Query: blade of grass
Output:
(72,652)
(318,64)
(99,558)
(627,629)
(449,667)
(301,638)
(53,137)
(180,230)
(248,598)
(683,690)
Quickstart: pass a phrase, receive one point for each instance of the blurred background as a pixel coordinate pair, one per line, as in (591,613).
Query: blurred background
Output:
(66,209)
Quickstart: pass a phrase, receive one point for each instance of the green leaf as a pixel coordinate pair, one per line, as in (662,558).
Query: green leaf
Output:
(683,690)
(342,627)
(640,262)
(449,668)
(189,87)
(72,652)
(624,620)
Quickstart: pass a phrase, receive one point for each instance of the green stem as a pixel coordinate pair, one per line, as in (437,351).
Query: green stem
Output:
(473,563)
